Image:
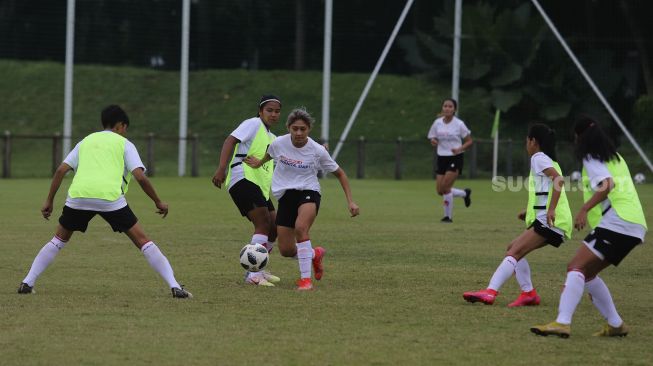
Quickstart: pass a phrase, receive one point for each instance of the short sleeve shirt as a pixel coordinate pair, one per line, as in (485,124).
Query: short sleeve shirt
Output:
(597,171)
(245,133)
(449,135)
(132,161)
(297,168)
(542,183)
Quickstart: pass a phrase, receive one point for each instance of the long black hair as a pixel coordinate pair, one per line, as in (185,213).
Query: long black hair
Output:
(545,137)
(592,141)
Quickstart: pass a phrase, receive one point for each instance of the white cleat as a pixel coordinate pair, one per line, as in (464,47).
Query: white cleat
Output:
(258,279)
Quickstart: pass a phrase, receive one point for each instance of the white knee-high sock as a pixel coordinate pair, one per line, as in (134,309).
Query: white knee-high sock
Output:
(43,259)
(570,297)
(458,192)
(160,263)
(601,298)
(447,202)
(523,275)
(304,257)
(503,273)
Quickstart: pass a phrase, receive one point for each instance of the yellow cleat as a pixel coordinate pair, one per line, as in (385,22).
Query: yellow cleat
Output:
(610,331)
(553,328)
(270,277)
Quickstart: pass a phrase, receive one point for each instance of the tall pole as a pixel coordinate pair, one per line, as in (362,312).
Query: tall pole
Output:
(455,75)
(326,70)
(68,82)
(183,88)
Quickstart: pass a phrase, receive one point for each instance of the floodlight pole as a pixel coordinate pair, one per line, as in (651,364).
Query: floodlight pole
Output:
(592,85)
(370,81)
(455,74)
(326,70)
(183,88)
(68,78)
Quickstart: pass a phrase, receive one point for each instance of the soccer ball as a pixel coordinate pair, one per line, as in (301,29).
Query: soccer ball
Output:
(254,257)
(639,178)
(575,176)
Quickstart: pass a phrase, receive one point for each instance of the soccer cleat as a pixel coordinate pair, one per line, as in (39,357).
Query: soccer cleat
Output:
(529,298)
(468,197)
(181,293)
(304,284)
(446,219)
(553,328)
(610,331)
(258,279)
(270,277)
(25,289)
(486,296)
(318,267)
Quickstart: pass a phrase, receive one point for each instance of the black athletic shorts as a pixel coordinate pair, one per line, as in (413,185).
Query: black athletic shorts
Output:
(77,220)
(552,237)
(290,202)
(450,164)
(614,246)
(248,196)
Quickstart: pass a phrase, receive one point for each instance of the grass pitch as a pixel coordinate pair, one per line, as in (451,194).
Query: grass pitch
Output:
(391,294)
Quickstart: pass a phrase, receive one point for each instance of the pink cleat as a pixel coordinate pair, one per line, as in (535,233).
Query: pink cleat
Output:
(304,284)
(486,296)
(529,298)
(318,268)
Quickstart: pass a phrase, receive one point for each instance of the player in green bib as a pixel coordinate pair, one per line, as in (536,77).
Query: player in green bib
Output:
(104,163)
(547,216)
(250,188)
(614,213)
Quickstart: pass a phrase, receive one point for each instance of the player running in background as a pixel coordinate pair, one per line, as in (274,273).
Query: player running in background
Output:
(104,163)
(547,216)
(613,210)
(297,189)
(451,137)
(250,188)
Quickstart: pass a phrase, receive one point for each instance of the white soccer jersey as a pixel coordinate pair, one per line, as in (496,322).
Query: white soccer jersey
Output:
(449,135)
(132,161)
(597,171)
(297,168)
(542,183)
(245,132)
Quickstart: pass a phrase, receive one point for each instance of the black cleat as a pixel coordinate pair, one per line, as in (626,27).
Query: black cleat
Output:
(181,293)
(25,289)
(468,197)
(446,219)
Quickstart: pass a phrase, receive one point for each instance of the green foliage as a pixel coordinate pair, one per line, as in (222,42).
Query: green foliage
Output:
(391,293)
(643,116)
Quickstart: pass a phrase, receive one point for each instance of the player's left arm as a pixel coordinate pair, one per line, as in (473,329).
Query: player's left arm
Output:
(558,186)
(467,142)
(354,210)
(57,178)
(148,188)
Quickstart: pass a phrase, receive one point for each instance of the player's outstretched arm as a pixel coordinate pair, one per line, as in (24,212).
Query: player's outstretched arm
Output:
(354,210)
(257,163)
(57,178)
(225,156)
(148,188)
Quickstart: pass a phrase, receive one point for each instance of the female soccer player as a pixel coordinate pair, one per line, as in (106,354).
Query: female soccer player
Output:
(446,133)
(613,211)
(547,217)
(250,188)
(294,183)
(104,163)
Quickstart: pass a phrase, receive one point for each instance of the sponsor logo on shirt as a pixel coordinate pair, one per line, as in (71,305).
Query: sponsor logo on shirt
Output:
(293,163)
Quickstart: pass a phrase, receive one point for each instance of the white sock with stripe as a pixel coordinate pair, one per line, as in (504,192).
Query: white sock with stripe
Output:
(447,202)
(570,297)
(602,299)
(502,273)
(43,259)
(523,275)
(160,263)
(304,257)
(458,192)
